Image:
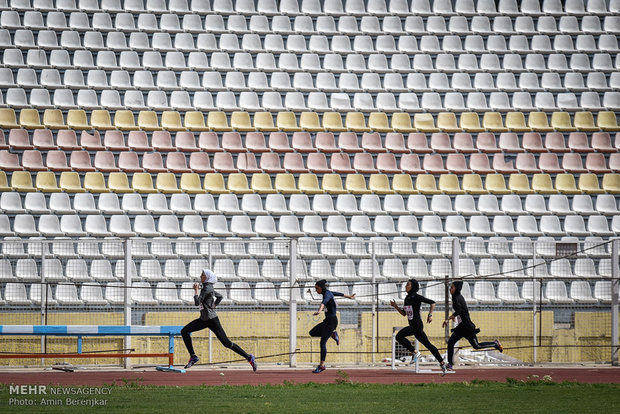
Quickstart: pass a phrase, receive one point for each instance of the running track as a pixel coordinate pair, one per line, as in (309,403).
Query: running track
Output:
(199,375)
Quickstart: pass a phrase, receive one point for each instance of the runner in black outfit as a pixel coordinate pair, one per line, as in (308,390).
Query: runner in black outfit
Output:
(208,299)
(327,328)
(466,328)
(411,310)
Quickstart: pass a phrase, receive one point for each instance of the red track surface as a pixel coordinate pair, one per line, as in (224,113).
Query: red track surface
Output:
(198,376)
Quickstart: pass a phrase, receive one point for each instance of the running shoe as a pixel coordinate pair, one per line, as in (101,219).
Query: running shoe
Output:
(444,369)
(191,362)
(335,337)
(499,346)
(252,362)
(449,367)
(414,358)
(319,369)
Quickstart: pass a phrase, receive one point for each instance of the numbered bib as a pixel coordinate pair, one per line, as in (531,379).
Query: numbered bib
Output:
(409,311)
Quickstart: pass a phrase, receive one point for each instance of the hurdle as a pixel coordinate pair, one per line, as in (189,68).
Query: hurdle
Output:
(81,331)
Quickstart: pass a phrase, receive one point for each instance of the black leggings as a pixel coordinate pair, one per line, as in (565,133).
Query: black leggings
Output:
(466,333)
(419,334)
(215,326)
(324,330)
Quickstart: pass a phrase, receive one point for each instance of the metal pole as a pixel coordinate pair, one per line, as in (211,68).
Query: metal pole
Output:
(456,252)
(534,297)
(375,305)
(127,297)
(292,344)
(43,297)
(615,282)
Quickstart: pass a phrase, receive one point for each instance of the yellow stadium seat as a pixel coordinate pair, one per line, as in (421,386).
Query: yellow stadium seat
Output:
(100,119)
(492,121)
(401,122)
(332,184)
(425,184)
(8,119)
(190,183)
(309,121)
(94,182)
(560,121)
(171,121)
(22,181)
(167,183)
(263,121)
(261,184)
(380,184)
(119,183)
(238,183)
(217,121)
(309,184)
(565,184)
(542,184)
(355,121)
(76,119)
(332,121)
(470,122)
(240,121)
(124,120)
(46,182)
(449,184)
(515,121)
(53,119)
(588,184)
(378,121)
(356,184)
(403,184)
(606,120)
(214,183)
(285,184)
(4,183)
(584,121)
(611,183)
(143,183)
(424,123)
(195,121)
(148,121)
(29,119)
(538,122)
(495,184)
(519,184)
(472,184)
(446,121)
(287,121)
(70,182)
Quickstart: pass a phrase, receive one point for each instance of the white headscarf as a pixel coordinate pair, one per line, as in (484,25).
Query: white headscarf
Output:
(211,277)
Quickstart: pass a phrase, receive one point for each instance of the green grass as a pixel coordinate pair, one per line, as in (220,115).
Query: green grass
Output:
(534,396)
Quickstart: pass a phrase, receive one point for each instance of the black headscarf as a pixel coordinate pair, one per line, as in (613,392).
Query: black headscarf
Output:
(415,287)
(458,286)
(322,284)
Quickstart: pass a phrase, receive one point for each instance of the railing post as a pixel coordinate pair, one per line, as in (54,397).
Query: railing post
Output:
(615,282)
(127,297)
(292,312)
(375,303)
(534,298)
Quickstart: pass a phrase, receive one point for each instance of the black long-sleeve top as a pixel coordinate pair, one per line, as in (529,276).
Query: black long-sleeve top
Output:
(413,302)
(207,300)
(460,310)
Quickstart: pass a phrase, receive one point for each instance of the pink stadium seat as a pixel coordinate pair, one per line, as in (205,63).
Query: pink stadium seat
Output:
(278,142)
(3,144)
(395,143)
(601,142)
(185,141)
(596,163)
(91,142)
(302,142)
(270,162)
(485,142)
(223,162)
(509,142)
(114,141)
(526,163)
(325,142)
(532,142)
(199,162)
(578,141)
(548,162)
(177,163)
(208,141)
(364,163)
(138,141)
(153,162)
(246,163)
(66,139)
(479,163)
(255,142)
(19,139)
(440,142)
(463,142)
(433,164)
(231,142)
(294,163)
(501,165)
(317,163)
(80,161)
(128,161)
(348,142)
(104,162)
(371,142)
(386,163)
(417,143)
(457,164)
(341,163)
(31,160)
(554,142)
(56,160)
(572,162)
(43,139)
(614,162)
(410,163)
(617,141)
(162,141)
